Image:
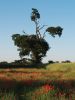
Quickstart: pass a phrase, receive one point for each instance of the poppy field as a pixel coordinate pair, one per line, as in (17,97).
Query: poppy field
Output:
(55,82)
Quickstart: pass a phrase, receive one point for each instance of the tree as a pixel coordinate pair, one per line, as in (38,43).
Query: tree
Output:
(35,46)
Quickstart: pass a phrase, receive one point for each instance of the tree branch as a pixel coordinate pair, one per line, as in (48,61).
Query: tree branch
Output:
(42,27)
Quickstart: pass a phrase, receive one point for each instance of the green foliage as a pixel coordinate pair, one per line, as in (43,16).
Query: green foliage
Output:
(35,46)
(31,45)
(35,14)
(54,31)
(8,96)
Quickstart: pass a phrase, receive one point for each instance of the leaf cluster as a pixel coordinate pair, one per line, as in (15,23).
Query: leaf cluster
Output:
(30,44)
(35,14)
(54,31)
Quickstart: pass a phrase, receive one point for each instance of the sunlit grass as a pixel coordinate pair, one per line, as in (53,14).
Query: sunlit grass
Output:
(51,71)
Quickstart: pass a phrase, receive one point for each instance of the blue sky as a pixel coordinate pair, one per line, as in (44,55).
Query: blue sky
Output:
(15,17)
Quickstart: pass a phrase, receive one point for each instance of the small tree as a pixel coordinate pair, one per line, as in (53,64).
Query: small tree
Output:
(35,45)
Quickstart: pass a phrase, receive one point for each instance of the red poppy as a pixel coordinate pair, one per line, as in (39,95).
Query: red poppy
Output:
(48,87)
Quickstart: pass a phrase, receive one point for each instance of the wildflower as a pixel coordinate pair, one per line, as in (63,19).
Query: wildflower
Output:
(48,88)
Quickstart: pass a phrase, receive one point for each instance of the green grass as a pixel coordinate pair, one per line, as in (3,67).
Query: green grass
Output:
(59,75)
(67,69)
(61,67)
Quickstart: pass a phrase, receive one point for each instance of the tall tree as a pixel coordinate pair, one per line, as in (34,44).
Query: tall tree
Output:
(35,46)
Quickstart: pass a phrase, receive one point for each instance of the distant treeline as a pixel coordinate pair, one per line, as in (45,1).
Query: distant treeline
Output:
(20,64)
(23,64)
(66,61)
(15,64)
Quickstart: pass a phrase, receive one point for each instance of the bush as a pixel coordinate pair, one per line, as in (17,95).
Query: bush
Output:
(66,61)
(51,62)
(4,62)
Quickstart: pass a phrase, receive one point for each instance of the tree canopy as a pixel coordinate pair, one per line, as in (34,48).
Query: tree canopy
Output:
(35,46)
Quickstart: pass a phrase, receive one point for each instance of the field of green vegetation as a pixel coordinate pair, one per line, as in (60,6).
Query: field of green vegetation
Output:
(51,82)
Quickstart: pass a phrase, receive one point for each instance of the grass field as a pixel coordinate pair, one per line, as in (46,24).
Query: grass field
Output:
(53,82)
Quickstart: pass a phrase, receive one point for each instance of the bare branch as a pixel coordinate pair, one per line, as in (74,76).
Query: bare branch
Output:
(42,27)
(44,34)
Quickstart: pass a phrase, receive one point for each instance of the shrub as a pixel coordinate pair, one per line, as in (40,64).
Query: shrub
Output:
(51,62)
